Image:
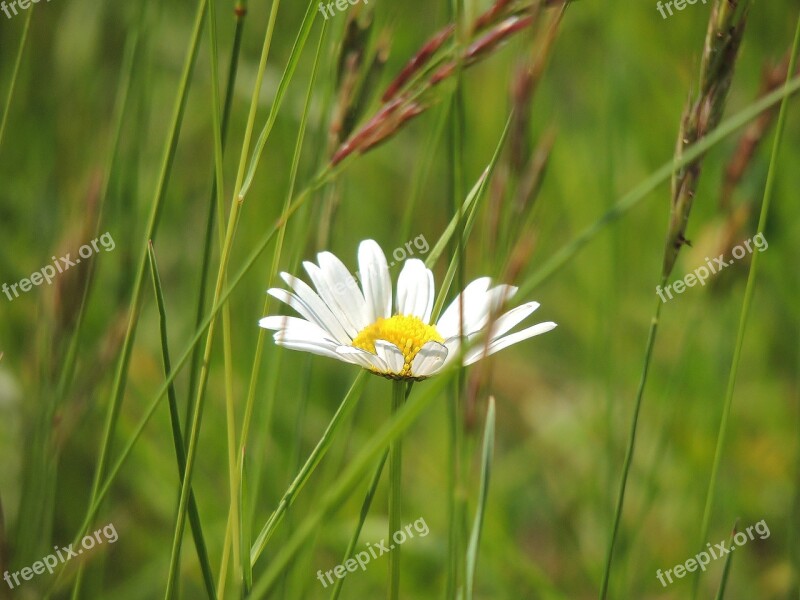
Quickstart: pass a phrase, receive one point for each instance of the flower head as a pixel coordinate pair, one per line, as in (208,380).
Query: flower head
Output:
(356,324)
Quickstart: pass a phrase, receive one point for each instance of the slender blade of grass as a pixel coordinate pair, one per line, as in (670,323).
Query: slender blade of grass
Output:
(659,176)
(477,526)
(120,379)
(726,570)
(747,302)
(23,40)
(177,435)
(357,467)
(347,405)
(365,506)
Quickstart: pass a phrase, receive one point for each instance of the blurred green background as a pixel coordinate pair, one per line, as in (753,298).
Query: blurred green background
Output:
(614,90)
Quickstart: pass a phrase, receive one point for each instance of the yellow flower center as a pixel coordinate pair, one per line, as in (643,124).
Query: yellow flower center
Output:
(408,333)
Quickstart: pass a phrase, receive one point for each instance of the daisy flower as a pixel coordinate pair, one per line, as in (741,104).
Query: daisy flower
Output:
(357,324)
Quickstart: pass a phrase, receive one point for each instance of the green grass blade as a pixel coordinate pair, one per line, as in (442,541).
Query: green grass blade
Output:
(477,526)
(347,405)
(15,73)
(120,379)
(291,66)
(356,469)
(233,69)
(659,176)
(626,465)
(748,299)
(365,506)
(726,570)
(470,209)
(177,436)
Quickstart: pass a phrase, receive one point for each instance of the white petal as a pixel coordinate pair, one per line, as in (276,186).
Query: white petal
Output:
(357,356)
(479,304)
(294,327)
(473,295)
(430,359)
(391,355)
(415,290)
(330,297)
(374,274)
(345,289)
(300,306)
(315,303)
(453,345)
(481,351)
(312,347)
(512,318)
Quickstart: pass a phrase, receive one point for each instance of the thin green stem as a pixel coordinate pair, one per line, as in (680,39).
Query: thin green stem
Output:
(395,493)
(746,303)
(230,414)
(651,339)
(15,73)
(477,527)
(233,67)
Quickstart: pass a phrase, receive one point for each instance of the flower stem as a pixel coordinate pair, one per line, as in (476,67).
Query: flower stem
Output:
(395,493)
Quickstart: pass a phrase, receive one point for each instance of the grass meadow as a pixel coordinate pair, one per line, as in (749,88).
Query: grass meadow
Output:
(162,163)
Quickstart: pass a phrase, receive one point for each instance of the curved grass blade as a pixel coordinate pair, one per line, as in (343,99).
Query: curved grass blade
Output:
(365,506)
(246,562)
(357,468)
(314,458)
(177,436)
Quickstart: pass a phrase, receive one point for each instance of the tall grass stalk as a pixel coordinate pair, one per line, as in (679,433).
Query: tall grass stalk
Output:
(177,435)
(276,258)
(649,184)
(233,69)
(746,304)
(240,190)
(626,465)
(120,379)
